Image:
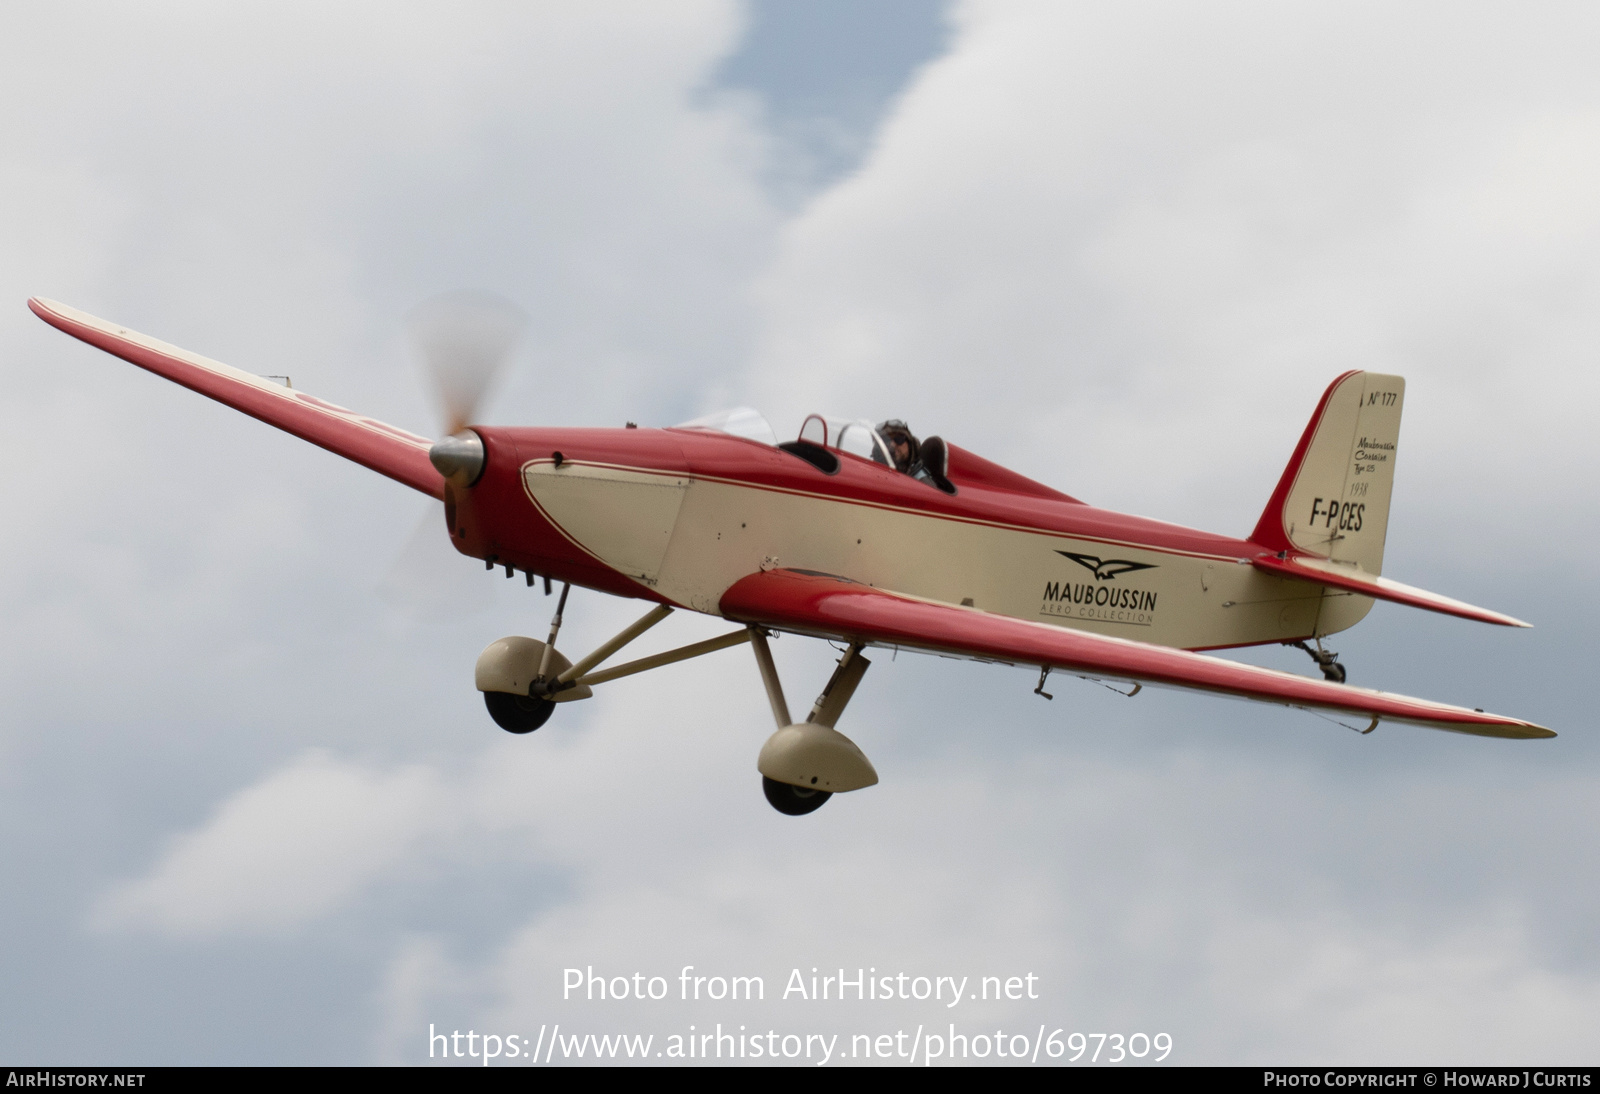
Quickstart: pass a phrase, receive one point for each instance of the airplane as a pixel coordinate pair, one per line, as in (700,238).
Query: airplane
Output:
(826,536)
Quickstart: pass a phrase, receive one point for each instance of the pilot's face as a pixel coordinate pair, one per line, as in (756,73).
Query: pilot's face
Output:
(901,449)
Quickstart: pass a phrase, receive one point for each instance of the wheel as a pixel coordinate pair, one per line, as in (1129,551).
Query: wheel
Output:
(517,713)
(793,801)
(1334,673)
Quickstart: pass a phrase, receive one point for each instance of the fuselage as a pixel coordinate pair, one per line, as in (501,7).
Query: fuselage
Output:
(679,515)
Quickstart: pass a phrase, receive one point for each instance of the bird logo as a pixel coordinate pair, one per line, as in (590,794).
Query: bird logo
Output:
(1106,569)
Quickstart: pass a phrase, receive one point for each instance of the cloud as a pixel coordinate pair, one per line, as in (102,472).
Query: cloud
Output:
(1167,864)
(297,845)
(1252,911)
(1125,250)
(1329,991)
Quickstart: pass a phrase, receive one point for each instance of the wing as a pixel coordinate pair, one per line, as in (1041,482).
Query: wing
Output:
(1346,576)
(385,449)
(836,607)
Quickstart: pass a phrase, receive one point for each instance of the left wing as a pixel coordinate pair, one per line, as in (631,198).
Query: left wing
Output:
(401,455)
(836,607)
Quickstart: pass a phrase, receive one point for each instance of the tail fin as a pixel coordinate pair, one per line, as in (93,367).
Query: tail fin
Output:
(1333,498)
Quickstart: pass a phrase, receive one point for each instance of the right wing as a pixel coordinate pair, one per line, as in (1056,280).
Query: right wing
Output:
(389,451)
(837,607)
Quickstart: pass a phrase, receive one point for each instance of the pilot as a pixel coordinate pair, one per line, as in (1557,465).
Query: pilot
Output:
(903,446)
(927,461)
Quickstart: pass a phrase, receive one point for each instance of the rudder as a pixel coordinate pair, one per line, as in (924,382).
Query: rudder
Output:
(1333,498)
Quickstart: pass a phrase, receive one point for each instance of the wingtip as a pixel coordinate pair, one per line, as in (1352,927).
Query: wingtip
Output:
(1510,729)
(45,308)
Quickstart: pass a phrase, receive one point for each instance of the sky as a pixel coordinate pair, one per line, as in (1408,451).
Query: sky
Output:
(251,808)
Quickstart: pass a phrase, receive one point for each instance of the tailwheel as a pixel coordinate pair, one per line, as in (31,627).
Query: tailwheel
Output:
(518,713)
(1332,670)
(793,801)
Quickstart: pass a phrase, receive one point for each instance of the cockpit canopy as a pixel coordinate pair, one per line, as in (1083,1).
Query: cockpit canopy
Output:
(856,436)
(822,438)
(741,421)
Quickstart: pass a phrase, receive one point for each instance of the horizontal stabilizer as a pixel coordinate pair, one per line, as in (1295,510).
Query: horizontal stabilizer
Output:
(1346,576)
(836,607)
(384,448)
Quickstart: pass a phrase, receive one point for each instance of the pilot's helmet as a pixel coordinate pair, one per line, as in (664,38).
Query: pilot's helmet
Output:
(894,431)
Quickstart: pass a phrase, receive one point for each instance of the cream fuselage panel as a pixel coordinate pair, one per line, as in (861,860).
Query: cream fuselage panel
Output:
(716,532)
(622,516)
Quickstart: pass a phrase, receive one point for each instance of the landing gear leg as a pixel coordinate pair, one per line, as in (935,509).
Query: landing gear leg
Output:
(555,629)
(790,800)
(841,686)
(769,676)
(804,765)
(1327,661)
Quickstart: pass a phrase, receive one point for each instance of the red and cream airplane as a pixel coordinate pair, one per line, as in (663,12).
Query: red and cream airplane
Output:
(823,536)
